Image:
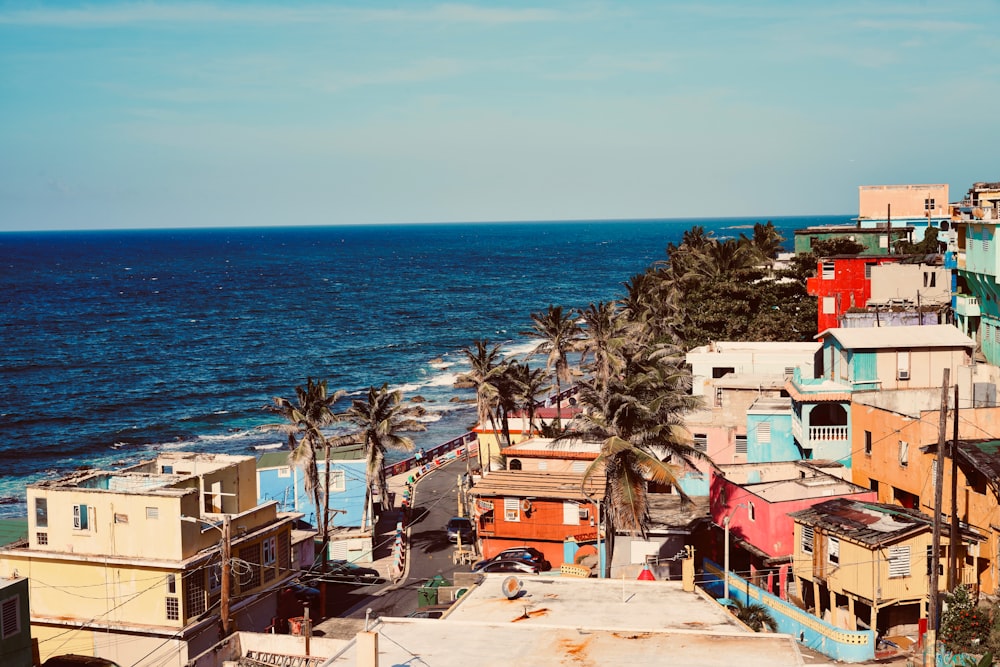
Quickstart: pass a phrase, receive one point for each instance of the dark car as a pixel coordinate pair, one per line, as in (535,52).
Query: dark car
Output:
(519,566)
(73,660)
(526,554)
(343,572)
(460,526)
(303,594)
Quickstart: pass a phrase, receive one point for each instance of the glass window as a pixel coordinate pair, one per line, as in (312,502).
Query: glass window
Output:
(41,512)
(81,520)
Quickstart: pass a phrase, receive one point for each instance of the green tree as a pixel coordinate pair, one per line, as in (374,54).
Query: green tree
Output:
(836,246)
(381,418)
(965,627)
(560,333)
(755,616)
(485,369)
(530,383)
(305,419)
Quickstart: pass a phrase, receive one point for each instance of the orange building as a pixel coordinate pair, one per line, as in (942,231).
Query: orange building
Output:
(894,447)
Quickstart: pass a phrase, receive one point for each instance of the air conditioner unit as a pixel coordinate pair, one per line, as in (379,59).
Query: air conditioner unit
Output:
(903,375)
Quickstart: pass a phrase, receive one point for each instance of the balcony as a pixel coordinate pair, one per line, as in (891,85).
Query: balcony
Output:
(828,433)
(966,306)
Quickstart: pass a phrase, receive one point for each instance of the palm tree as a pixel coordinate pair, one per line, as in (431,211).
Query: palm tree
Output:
(529,383)
(604,338)
(381,417)
(560,333)
(755,616)
(637,418)
(485,367)
(304,420)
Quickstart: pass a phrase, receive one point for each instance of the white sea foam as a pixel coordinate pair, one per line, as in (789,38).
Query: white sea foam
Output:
(520,348)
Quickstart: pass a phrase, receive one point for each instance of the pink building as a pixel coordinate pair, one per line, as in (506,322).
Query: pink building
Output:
(757,498)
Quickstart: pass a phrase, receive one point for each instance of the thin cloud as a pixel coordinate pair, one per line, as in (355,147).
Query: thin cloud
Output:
(129,14)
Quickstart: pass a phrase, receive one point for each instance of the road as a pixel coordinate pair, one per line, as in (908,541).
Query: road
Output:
(435,502)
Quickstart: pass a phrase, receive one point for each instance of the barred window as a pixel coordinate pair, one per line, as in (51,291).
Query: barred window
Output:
(194,593)
(43,538)
(251,577)
(173,609)
(285,551)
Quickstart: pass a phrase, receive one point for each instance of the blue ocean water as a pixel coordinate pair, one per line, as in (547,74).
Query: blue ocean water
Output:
(118,343)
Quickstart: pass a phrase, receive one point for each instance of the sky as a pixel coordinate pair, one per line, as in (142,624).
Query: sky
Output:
(217,113)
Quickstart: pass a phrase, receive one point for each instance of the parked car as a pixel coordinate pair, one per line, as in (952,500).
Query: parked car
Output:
(344,572)
(303,594)
(460,526)
(73,660)
(526,554)
(519,566)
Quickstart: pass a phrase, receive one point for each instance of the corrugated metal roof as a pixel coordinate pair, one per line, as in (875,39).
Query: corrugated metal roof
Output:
(871,524)
(530,484)
(908,337)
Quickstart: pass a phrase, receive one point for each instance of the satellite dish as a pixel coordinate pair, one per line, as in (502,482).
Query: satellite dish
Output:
(525,505)
(511,587)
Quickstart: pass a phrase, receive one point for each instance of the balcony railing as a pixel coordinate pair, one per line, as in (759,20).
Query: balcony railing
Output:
(967,305)
(827,433)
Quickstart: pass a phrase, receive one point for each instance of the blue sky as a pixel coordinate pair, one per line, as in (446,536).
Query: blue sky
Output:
(171,114)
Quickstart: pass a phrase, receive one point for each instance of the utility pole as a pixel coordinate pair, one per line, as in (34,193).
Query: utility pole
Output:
(226,572)
(954,539)
(932,612)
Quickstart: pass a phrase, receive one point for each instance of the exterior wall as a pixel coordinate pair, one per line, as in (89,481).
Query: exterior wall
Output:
(754,359)
(530,463)
(543,527)
(875,241)
(926,366)
(152,650)
(15,647)
(920,283)
(771,529)
(977,505)
(780,444)
(907,201)
(847,288)
(981,249)
(286,486)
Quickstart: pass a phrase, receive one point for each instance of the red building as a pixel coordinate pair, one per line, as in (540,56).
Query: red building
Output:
(552,512)
(843,282)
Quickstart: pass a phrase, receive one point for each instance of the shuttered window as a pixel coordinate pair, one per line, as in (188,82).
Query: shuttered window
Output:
(511,509)
(807,539)
(571,514)
(764,432)
(10,610)
(899,561)
(741,444)
(833,550)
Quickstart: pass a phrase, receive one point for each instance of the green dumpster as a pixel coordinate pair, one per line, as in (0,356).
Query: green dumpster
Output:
(428,593)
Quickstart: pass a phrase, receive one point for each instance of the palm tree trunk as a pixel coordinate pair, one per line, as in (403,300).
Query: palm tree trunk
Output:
(558,402)
(326,508)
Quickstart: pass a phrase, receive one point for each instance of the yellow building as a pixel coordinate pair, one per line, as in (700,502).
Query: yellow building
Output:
(894,449)
(127,564)
(861,564)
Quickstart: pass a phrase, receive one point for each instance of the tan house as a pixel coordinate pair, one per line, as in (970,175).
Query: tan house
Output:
(900,202)
(864,564)
(127,564)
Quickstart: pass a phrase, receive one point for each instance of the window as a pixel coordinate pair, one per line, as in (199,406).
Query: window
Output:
(789,370)
(833,550)
(514,464)
(194,594)
(930,279)
(250,555)
(543,465)
(338,481)
(807,539)
(899,561)
(868,443)
(578,466)
(10,614)
(829,305)
(121,518)
(173,609)
(284,471)
(751,512)
(722,371)
(929,204)
(873,485)
(167,470)
(868,270)
(883,241)
(214,578)
(741,444)
(152,513)
(700,442)
(718,397)
(764,432)
(41,512)
(43,538)
(511,509)
(284,549)
(269,551)
(81,520)
(171,583)
(904,453)
(828,270)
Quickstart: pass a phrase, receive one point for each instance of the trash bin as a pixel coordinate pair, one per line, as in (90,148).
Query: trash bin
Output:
(428,593)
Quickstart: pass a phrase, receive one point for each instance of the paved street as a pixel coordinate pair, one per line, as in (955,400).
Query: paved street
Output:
(430,553)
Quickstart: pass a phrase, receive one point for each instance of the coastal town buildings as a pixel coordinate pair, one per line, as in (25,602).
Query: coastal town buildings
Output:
(719,359)
(918,206)
(152,561)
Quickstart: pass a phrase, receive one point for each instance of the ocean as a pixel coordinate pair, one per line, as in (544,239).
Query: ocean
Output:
(117,344)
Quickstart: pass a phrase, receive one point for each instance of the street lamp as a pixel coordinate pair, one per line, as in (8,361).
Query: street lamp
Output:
(725,526)
(226,565)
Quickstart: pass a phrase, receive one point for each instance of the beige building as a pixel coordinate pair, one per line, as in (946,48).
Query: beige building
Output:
(127,564)
(913,284)
(899,202)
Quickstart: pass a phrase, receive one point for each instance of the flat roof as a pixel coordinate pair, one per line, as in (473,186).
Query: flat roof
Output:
(907,337)
(580,621)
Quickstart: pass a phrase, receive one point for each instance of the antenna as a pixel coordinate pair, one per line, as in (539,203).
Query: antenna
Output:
(511,587)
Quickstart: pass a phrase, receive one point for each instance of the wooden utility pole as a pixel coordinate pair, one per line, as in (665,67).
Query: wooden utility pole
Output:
(930,651)
(954,538)
(227,565)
